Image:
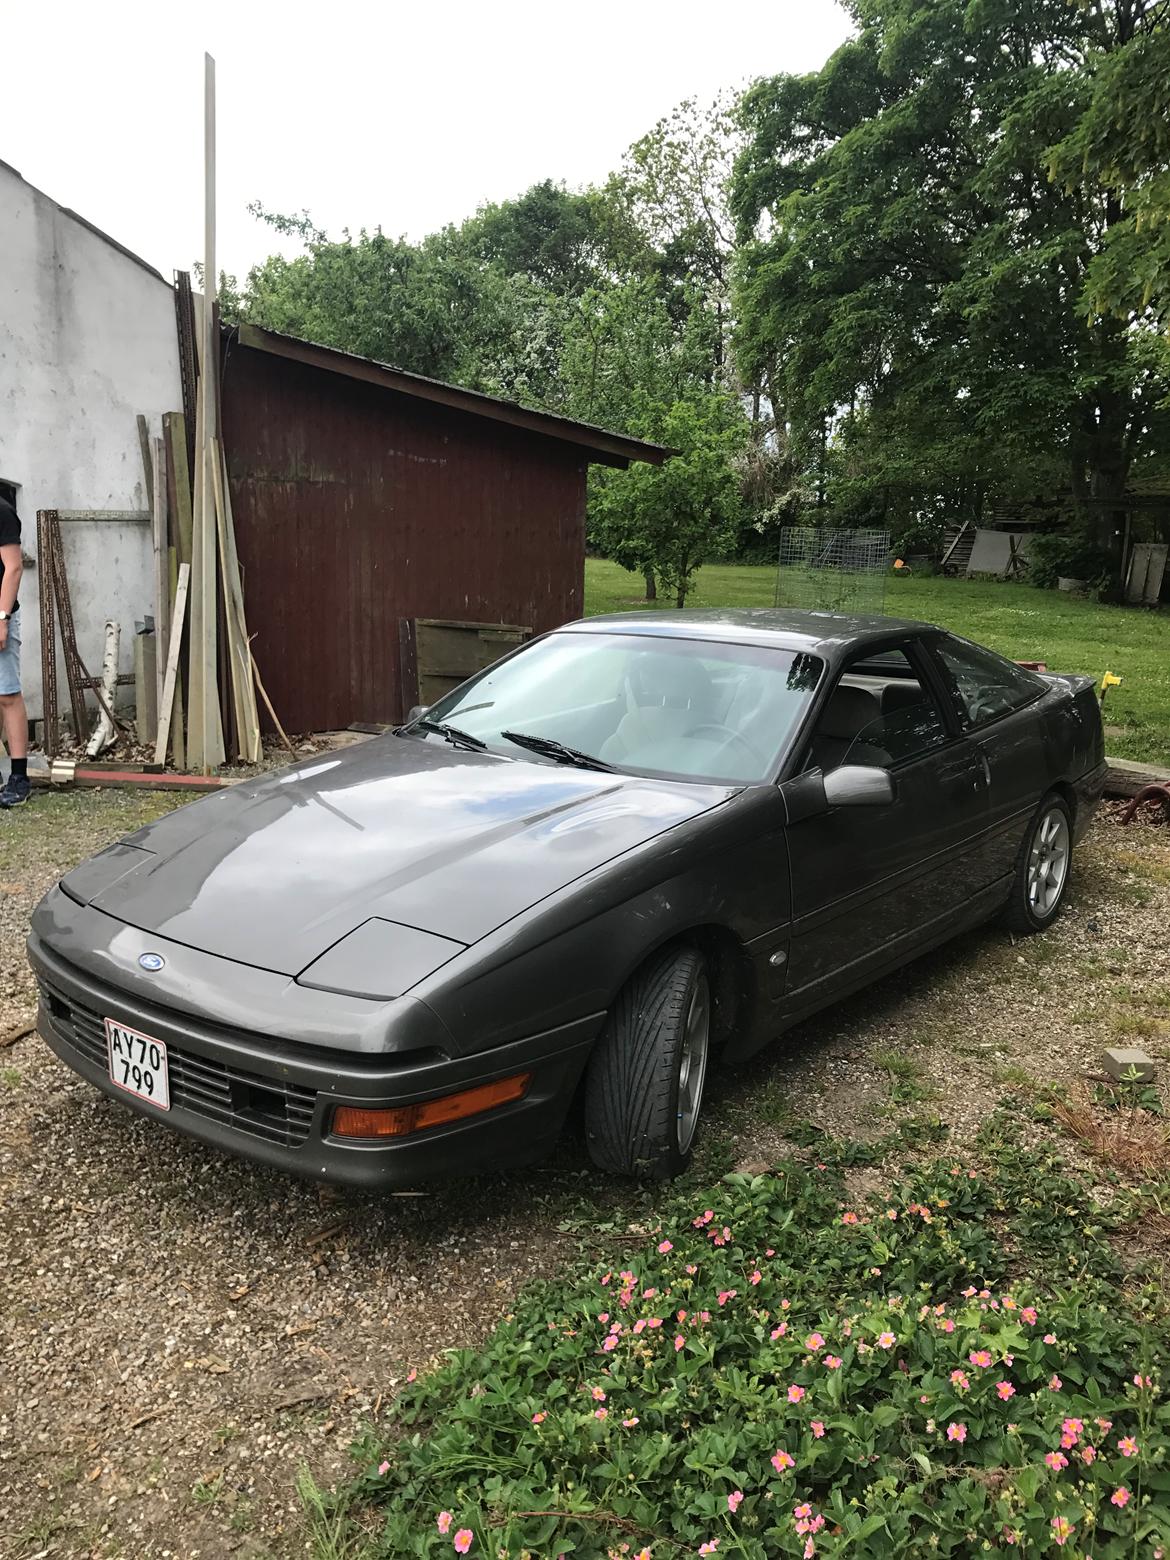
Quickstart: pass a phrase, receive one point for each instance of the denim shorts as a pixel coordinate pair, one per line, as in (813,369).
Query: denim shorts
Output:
(10,659)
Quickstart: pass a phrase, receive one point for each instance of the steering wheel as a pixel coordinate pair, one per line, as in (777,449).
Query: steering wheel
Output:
(713,727)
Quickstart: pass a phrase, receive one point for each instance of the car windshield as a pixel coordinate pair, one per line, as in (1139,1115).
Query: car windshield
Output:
(683,708)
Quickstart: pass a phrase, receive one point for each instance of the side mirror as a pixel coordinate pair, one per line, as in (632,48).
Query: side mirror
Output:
(415,712)
(852,785)
(858,785)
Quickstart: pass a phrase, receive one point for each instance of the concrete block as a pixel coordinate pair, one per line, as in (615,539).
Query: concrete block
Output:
(1128,1065)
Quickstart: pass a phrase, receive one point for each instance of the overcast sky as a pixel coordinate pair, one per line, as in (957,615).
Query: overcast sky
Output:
(403,115)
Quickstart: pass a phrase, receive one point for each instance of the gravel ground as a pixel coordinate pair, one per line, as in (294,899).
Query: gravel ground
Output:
(180,1331)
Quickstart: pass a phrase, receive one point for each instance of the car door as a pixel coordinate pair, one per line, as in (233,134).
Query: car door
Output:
(995,700)
(870,883)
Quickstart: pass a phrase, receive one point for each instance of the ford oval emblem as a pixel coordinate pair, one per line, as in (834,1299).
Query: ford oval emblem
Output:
(151,961)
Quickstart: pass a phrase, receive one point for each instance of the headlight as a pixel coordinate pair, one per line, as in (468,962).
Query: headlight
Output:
(380,959)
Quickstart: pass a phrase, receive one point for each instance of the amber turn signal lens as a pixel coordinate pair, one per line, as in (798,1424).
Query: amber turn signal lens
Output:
(355,1121)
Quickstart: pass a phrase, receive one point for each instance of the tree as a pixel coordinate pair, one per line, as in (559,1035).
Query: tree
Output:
(909,265)
(667,519)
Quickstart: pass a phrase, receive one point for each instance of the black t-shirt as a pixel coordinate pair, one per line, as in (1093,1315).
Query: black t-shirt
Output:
(9,534)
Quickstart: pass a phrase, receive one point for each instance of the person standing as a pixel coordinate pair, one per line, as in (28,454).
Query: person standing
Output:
(16,787)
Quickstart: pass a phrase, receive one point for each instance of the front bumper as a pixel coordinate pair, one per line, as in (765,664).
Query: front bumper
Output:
(273,1101)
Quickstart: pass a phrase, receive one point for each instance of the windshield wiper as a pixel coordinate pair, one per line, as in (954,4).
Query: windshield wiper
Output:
(453,734)
(549,747)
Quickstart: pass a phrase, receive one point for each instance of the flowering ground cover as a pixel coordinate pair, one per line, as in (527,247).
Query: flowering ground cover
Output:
(958,1365)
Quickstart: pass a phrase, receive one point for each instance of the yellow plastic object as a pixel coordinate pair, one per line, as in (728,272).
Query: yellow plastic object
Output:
(1108,681)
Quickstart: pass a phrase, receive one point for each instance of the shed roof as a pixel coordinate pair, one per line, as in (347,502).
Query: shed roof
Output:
(602,446)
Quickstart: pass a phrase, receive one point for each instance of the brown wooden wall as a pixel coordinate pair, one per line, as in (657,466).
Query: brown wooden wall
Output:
(356,506)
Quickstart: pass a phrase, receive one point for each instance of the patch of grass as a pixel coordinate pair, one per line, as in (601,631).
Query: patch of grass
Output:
(1130,1139)
(897,1063)
(208,1491)
(1069,634)
(10,1077)
(1137,1025)
(1014,1077)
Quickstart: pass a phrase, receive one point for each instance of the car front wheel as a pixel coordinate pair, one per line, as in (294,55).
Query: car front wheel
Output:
(644,1089)
(1042,868)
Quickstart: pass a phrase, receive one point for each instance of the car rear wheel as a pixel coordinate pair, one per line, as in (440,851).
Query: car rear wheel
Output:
(1042,868)
(644,1089)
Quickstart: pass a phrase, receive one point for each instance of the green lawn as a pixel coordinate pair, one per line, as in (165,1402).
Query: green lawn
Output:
(1029,625)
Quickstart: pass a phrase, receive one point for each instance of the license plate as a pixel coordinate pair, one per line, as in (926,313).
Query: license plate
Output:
(138,1064)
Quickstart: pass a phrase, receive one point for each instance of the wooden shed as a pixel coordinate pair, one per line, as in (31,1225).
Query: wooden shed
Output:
(364,496)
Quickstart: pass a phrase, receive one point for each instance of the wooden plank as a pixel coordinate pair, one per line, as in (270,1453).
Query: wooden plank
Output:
(1126,777)
(235,627)
(147,463)
(179,482)
(145,687)
(164,714)
(119,516)
(407,665)
(162,584)
(51,737)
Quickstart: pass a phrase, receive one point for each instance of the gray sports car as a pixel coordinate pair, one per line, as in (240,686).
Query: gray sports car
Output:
(634,846)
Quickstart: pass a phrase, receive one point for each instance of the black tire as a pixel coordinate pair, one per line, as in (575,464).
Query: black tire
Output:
(1026,911)
(632,1116)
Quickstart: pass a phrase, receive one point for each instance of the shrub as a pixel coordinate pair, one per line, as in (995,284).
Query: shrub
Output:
(1055,555)
(780,1372)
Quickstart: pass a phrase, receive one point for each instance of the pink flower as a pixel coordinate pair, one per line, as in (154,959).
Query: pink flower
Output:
(678,1342)
(1056,1461)
(947,1325)
(849,1218)
(610,1343)
(1004,1390)
(600,1413)
(832,1362)
(1104,1425)
(778,1332)
(814,1341)
(1055,1384)
(1088,1455)
(959,1380)
(891,1213)
(795,1394)
(1061,1529)
(1028,1314)
(383,1469)
(1143,1381)
(704,1218)
(1049,1337)
(980,1358)
(1072,1427)
(818,1429)
(709,1547)
(691,1270)
(631,1422)
(412,1374)
(781,1460)
(886,1340)
(539,1419)
(603,1317)
(463,1540)
(957,1433)
(597,1394)
(725,1295)
(1120,1497)
(444,1522)
(655,1321)
(664,1246)
(1127,1446)
(810,1549)
(733,1501)
(755,1277)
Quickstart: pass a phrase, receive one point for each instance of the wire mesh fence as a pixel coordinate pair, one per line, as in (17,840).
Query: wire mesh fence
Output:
(822,569)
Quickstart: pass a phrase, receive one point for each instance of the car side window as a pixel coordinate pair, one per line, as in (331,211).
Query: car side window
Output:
(986,685)
(879,714)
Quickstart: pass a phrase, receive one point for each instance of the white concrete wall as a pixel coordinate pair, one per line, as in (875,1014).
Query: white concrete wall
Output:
(87,341)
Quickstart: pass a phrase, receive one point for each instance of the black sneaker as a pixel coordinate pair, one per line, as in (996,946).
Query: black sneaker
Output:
(16,790)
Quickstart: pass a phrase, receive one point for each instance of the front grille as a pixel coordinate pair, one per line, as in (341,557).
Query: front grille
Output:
(264,1107)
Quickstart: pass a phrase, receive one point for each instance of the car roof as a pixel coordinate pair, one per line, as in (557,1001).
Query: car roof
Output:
(825,633)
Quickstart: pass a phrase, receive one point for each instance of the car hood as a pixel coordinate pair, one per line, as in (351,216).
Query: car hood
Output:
(272,872)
